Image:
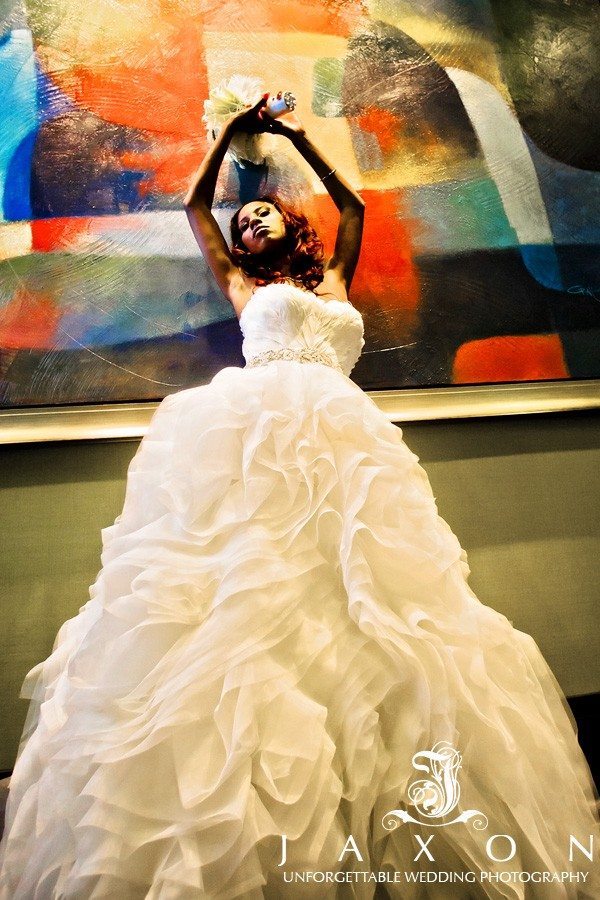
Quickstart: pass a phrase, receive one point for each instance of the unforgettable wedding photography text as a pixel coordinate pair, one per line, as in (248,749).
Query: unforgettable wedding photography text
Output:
(493,851)
(388,877)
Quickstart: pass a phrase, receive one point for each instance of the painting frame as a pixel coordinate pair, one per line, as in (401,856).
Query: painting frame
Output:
(493,267)
(129,420)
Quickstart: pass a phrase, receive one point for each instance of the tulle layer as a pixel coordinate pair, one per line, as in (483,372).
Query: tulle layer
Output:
(281,621)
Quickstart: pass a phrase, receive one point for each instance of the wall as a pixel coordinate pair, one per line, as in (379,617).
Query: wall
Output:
(522,494)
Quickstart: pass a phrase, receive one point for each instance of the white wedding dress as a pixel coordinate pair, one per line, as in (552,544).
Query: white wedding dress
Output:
(282,620)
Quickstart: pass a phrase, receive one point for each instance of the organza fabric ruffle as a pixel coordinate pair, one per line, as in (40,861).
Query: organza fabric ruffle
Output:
(281,621)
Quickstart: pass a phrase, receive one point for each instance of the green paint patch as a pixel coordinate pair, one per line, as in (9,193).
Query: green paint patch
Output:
(479,214)
(327,87)
(459,216)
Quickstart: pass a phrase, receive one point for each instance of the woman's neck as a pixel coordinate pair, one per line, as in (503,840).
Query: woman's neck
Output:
(283,266)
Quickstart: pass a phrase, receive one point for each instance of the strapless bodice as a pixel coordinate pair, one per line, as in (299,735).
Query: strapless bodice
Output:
(284,317)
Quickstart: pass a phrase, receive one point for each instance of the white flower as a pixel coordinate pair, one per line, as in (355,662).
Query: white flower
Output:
(229,96)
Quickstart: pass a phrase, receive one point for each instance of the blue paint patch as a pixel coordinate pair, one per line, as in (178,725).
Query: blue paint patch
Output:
(462,217)
(51,100)
(252,181)
(17,187)
(541,261)
(458,217)
(18,111)
(571,197)
(127,192)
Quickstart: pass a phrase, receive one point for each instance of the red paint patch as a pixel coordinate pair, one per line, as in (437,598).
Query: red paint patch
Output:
(159,89)
(29,321)
(49,235)
(386,280)
(383,124)
(385,270)
(529,358)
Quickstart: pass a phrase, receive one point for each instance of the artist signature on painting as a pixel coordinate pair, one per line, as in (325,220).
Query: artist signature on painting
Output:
(584,291)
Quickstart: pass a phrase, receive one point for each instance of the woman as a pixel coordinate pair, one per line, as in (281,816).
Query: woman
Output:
(280,252)
(282,640)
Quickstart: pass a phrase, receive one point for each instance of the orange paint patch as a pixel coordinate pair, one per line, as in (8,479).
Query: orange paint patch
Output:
(28,321)
(170,164)
(321,213)
(386,282)
(528,358)
(159,88)
(264,15)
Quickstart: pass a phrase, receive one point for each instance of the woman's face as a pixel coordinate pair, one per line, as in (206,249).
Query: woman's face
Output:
(261,225)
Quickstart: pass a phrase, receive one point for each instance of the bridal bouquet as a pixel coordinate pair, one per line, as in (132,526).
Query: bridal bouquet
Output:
(230,96)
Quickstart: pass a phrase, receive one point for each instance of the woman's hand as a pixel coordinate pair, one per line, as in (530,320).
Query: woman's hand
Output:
(248,119)
(254,120)
(289,125)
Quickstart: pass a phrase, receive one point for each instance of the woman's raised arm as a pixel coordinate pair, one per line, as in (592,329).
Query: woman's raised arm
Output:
(200,196)
(339,271)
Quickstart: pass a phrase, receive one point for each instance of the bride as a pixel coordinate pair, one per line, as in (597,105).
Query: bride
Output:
(270,242)
(282,684)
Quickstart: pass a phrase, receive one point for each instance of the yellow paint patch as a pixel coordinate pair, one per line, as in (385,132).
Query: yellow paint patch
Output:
(105,31)
(282,44)
(15,239)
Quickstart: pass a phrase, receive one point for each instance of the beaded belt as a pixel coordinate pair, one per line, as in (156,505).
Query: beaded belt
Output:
(305,355)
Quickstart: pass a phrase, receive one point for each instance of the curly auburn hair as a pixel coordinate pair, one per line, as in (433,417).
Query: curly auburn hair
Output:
(303,250)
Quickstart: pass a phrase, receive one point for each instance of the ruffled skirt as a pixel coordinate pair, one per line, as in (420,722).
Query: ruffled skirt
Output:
(282,621)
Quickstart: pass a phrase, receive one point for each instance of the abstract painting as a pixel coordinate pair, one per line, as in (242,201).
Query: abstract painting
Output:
(470,127)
